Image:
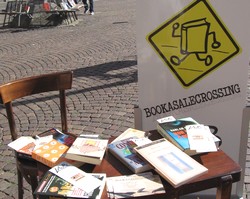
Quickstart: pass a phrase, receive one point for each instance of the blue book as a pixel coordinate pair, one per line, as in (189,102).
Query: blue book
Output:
(123,151)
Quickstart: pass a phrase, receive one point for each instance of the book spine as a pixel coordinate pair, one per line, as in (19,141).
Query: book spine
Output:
(163,132)
(167,136)
(41,159)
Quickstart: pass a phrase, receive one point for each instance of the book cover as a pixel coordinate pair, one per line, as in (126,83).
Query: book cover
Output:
(123,151)
(135,185)
(88,150)
(175,132)
(76,176)
(63,138)
(51,153)
(23,146)
(170,162)
(54,186)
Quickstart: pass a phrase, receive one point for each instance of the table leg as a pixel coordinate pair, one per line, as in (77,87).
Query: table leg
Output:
(224,190)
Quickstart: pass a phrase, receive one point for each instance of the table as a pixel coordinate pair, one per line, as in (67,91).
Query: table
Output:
(222,172)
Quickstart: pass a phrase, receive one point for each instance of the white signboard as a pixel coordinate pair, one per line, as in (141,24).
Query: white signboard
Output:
(193,60)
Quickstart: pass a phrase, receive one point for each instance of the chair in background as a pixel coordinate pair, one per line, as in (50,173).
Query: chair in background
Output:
(25,87)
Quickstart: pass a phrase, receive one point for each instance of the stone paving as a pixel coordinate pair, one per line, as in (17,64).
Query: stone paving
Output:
(101,52)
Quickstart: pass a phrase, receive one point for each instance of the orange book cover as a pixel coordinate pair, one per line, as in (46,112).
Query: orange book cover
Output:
(51,153)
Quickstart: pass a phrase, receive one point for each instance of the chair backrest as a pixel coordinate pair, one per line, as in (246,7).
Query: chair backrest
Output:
(11,91)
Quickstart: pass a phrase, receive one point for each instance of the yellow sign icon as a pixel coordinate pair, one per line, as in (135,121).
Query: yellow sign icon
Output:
(194,42)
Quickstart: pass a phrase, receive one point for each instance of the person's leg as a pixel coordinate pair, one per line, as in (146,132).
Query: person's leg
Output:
(86,6)
(91,6)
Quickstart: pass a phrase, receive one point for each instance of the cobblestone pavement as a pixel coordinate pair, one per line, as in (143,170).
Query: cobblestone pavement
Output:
(101,52)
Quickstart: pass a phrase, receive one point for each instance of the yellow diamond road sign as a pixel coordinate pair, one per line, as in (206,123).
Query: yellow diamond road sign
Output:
(194,42)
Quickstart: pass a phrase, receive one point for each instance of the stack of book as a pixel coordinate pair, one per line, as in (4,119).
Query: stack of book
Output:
(53,147)
(48,147)
(168,156)
(174,130)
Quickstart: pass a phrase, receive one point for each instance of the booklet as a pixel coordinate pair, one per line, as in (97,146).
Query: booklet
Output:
(200,138)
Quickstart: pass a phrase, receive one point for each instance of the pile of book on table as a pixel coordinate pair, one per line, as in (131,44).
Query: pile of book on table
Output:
(53,147)
(150,161)
(169,156)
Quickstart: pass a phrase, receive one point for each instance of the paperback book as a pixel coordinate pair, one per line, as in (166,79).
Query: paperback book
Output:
(53,186)
(56,134)
(123,150)
(136,185)
(23,146)
(87,150)
(175,132)
(170,162)
(76,177)
(131,132)
(51,153)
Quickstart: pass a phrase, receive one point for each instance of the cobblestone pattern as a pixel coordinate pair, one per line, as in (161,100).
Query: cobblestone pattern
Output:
(101,52)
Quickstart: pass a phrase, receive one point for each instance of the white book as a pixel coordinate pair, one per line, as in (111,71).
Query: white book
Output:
(88,150)
(24,144)
(170,162)
(143,184)
(76,176)
(130,132)
(200,138)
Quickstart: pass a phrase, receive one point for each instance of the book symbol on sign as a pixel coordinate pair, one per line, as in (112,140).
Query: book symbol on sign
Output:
(193,44)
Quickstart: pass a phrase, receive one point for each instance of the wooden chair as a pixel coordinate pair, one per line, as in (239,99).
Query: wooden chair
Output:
(25,87)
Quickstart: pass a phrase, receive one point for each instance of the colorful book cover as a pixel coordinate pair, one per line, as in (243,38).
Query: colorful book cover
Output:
(51,153)
(63,138)
(52,185)
(76,176)
(88,150)
(123,150)
(175,131)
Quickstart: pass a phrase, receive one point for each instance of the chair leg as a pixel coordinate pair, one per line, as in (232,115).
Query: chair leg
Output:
(34,185)
(20,184)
